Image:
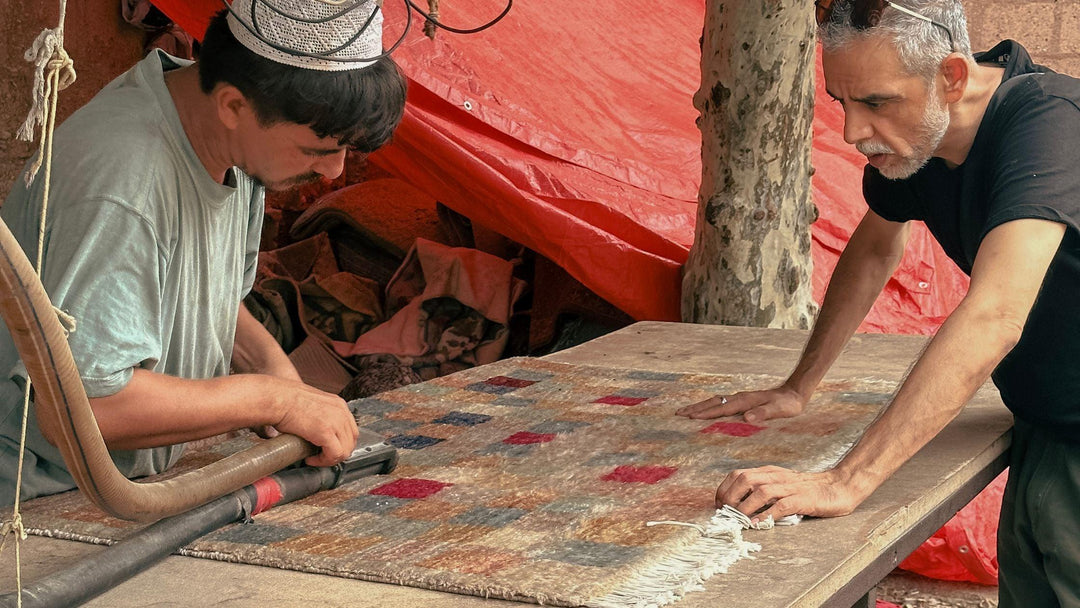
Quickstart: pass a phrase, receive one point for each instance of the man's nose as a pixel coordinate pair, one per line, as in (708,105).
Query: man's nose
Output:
(331,165)
(856,127)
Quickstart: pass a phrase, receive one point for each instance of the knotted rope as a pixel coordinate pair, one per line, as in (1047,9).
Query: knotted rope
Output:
(54,71)
(432,18)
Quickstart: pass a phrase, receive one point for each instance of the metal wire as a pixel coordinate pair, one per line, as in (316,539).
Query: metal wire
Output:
(455,30)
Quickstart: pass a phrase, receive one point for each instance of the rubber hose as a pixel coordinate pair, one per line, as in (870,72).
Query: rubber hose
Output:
(100,572)
(64,413)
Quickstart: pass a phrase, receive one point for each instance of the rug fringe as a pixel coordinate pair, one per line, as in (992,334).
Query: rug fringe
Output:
(764,524)
(721,544)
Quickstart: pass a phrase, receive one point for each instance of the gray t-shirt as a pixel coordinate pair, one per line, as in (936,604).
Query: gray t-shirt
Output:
(149,254)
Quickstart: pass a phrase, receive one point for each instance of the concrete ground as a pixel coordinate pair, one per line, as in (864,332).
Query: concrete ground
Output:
(173,578)
(913,591)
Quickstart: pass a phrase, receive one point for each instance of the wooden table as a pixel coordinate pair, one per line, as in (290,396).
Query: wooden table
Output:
(821,562)
(826,562)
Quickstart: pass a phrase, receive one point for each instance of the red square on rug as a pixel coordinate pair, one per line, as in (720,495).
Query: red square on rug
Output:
(525,437)
(735,429)
(508,381)
(620,400)
(631,474)
(410,488)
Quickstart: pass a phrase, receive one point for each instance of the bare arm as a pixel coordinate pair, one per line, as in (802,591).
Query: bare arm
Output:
(257,352)
(869,259)
(155,409)
(1005,280)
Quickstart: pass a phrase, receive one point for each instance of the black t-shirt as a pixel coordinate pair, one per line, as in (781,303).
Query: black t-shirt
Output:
(1024,163)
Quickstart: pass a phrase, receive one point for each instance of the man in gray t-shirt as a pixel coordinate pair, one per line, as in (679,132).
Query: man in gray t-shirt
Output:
(155,213)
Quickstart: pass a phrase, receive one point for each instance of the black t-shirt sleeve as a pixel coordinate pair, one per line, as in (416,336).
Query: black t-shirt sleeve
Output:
(1035,170)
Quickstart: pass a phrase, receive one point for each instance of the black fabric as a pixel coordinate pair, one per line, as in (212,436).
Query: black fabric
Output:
(1024,163)
(1038,545)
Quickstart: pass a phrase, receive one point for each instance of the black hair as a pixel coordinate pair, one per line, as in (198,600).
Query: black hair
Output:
(360,107)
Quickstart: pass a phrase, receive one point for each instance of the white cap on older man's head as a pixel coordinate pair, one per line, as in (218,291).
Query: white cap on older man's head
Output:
(310,34)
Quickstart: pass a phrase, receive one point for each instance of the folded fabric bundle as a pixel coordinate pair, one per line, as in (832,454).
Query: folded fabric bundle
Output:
(372,224)
(449,308)
(307,304)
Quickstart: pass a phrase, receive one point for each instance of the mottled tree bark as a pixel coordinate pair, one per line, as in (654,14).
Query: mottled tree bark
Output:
(750,263)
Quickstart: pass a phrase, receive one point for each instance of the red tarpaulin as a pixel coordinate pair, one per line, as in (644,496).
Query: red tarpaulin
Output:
(569,127)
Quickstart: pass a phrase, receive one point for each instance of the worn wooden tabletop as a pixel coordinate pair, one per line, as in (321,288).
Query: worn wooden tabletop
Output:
(820,562)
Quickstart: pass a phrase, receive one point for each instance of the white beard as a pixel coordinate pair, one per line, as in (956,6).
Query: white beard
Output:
(927,139)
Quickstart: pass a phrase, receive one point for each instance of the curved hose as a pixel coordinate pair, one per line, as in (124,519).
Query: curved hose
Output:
(64,411)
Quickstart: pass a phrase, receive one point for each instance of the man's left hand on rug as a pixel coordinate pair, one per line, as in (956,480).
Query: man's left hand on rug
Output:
(755,406)
(780,492)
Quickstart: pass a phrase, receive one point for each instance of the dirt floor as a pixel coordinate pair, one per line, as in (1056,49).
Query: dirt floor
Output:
(909,590)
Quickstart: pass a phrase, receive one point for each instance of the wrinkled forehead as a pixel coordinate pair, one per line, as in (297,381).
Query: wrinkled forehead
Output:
(864,63)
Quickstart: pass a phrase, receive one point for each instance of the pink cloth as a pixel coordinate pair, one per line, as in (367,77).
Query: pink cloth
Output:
(431,273)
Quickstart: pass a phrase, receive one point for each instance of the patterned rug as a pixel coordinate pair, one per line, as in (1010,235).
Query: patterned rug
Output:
(526,480)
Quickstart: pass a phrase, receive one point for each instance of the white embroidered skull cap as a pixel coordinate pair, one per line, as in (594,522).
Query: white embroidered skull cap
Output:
(302,33)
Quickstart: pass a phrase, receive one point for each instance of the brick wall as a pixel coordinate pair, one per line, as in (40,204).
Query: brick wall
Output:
(1049,29)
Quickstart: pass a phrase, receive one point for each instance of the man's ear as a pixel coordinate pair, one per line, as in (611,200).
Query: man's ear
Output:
(231,105)
(955,69)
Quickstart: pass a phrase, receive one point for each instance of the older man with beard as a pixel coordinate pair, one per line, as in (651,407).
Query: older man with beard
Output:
(982,149)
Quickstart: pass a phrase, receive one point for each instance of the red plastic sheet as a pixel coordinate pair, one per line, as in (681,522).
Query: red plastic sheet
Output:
(965,549)
(569,127)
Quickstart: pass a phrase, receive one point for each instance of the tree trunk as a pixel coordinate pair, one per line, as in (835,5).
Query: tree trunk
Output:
(750,263)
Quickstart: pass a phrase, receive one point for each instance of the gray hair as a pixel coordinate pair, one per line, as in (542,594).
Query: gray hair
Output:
(921,46)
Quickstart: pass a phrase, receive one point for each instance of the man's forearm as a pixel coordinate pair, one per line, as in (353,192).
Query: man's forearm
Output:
(870,258)
(255,351)
(1005,281)
(955,364)
(156,409)
(872,255)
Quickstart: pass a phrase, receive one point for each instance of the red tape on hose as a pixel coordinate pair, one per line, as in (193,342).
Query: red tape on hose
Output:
(267,494)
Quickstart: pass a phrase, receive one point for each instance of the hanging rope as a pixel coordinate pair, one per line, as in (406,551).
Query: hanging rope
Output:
(431,19)
(53,72)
